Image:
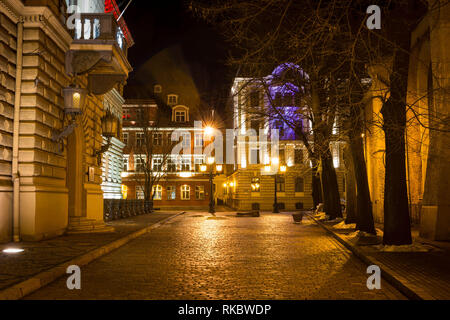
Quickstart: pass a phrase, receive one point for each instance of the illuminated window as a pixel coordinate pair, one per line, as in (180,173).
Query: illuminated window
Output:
(185,192)
(185,164)
(171,194)
(200,192)
(256,186)
(198,160)
(125,138)
(186,142)
(125,163)
(198,140)
(157,192)
(140,193)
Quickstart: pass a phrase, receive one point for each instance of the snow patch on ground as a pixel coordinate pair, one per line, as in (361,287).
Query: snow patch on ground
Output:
(321,215)
(343,225)
(415,247)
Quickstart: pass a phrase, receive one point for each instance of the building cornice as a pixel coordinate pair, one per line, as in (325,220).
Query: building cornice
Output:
(38,17)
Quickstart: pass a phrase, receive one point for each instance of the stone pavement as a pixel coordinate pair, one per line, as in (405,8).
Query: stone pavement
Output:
(197,256)
(420,275)
(44,255)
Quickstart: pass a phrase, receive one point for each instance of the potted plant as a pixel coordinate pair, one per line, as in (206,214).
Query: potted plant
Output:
(298,216)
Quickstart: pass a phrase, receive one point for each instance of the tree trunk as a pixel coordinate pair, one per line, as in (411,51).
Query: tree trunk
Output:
(364,214)
(316,187)
(350,189)
(332,203)
(397,226)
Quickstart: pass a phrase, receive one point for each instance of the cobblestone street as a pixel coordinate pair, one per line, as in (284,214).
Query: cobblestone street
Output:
(197,256)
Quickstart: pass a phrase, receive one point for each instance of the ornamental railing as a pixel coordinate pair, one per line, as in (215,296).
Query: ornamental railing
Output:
(99,27)
(114,209)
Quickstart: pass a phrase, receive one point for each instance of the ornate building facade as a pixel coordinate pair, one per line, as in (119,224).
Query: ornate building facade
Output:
(263,166)
(52,114)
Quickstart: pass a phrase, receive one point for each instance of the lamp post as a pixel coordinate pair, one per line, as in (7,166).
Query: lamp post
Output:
(282,169)
(203,167)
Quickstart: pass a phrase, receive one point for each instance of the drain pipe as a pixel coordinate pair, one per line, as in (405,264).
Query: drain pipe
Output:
(15,157)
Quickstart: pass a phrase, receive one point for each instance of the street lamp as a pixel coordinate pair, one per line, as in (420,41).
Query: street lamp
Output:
(219,169)
(268,168)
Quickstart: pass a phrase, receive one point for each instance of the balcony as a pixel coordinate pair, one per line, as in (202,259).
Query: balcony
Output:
(99,49)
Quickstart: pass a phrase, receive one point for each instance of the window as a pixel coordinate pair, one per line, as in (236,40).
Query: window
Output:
(180,116)
(256,184)
(171,164)
(197,162)
(282,156)
(287,99)
(172,99)
(185,192)
(125,163)
(140,193)
(139,162)
(157,88)
(298,155)
(186,142)
(255,125)
(157,192)
(254,99)
(185,164)
(125,138)
(200,192)
(140,114)
(171,194)
(299,185)
(280,184)
(126,114)
(140,139)
(198,140)
(157,164)
(157,138)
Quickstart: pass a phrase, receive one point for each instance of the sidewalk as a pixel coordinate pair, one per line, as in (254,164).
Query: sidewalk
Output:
(418,275)
(42,262)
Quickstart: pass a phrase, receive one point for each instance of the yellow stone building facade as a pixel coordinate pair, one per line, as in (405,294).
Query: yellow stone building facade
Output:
(48,186)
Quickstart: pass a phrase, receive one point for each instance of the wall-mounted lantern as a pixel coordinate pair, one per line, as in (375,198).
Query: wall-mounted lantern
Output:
(109,125)
(109,130)
(74,99)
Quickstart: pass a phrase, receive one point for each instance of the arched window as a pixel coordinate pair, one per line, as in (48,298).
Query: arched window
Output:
(157,192)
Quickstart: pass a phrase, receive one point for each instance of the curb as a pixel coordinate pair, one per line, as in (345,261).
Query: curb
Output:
(24,288)
(407,288)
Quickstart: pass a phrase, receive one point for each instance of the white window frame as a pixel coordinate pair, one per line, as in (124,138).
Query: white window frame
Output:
(199,192)
(171,192)
(185,190)
(140,195)
(125,137)
(198,140)
(158,137)
(186,141)
(139,158)
(185,160)
(140,136)
(157,192)
(157,161)
(125,162)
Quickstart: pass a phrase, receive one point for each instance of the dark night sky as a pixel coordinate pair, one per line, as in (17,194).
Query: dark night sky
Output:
(156,25)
